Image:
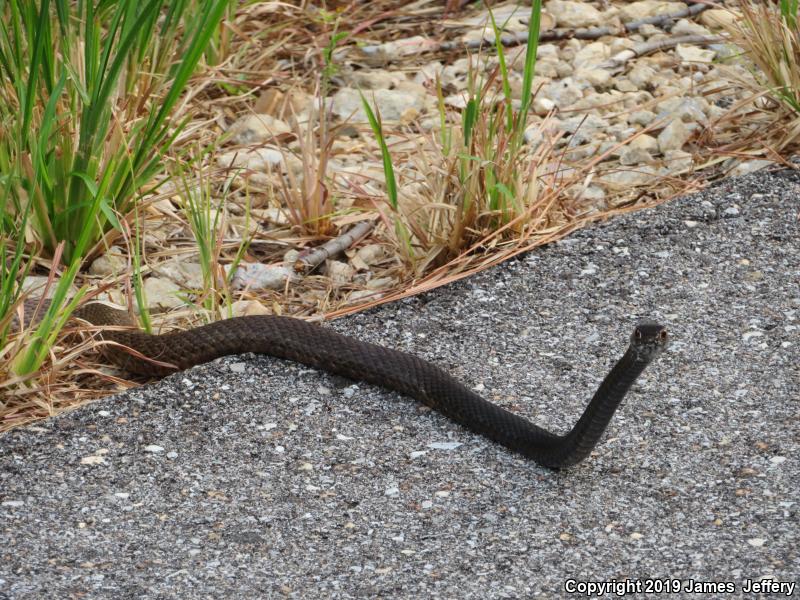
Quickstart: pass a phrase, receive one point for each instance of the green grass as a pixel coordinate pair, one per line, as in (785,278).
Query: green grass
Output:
(480,182)
(87,92)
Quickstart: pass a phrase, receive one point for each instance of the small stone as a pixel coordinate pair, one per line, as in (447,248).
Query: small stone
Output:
(444,445)
(258,128)
(162,293)
(674,136)
(111,263)
(256,276)
(153,448)
(756,542)
(692,54)
(574,14)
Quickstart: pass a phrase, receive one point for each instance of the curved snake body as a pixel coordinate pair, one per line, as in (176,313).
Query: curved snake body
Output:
(323,348)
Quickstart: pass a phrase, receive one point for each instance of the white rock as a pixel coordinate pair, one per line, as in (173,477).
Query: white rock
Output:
(258,128)
(162,293)
(244,308)
(634,156)
(678,160)
(690,53)
(574,14)
(750,166)
(599,78)
(591,55)
(641,75)
(444,445)
(255,276)
(688,27)
(112,262)
(674,136)
(339,272)
(393,105)
(189,275)
(648,8)
(645,142)
(563,93)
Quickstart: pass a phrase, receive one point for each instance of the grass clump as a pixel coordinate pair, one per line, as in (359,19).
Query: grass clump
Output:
(87,94)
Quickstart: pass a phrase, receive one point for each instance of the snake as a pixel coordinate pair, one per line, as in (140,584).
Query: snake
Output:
(323,348)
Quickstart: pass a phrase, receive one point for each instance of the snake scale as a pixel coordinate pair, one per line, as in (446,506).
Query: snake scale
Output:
(325,349)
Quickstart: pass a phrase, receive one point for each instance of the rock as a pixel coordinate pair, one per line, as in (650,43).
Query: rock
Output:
(276,103)
(35,284)
(368,256)
(255,129)
(255,276)
(599,78)
(257,159)
(678,160)
(674,136)
(376,79)
(693,54)
(189,275)
(574,14)
(392,104)
(717,18)
(339,272)
(112,262)
(623,84)
(162,294)
(592,195)
(542,106)
(634,156)
(750,166)
(563,93)
(641,117)
(688,27)
(246,308)
(533,136)
(645,142)
(591,55)
(648,8)
(584,129)
(641,76)
(622,179)
(381,283)
(688,110)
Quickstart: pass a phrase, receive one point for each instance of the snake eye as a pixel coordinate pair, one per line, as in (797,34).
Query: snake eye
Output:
(662,334)
(638,333)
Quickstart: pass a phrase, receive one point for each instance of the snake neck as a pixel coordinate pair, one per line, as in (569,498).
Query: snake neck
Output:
(584,436)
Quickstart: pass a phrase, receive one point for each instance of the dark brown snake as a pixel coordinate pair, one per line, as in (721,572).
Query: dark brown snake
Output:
(323,348)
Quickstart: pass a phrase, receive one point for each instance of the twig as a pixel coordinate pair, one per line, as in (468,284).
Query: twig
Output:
(312,258)
(616,62)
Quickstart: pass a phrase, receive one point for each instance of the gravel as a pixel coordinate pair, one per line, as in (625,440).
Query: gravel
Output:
(255,477)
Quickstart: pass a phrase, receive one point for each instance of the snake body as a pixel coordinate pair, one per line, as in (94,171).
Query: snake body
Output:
(323,348)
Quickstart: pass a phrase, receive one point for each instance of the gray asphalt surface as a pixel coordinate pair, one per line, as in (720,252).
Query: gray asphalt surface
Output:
(254,477)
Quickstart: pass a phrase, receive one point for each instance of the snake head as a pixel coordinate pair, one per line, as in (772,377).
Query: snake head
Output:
(648,340)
